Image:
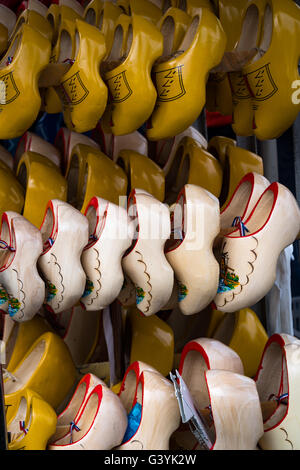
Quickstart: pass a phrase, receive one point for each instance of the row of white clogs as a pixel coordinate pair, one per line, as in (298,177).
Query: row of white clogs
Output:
(165,260)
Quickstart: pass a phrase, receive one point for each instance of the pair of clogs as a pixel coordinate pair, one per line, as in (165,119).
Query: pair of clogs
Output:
(267,222)
(265,91)
(226,400)
(94,419)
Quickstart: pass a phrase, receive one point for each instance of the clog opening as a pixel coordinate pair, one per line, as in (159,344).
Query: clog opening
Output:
(182,5)
(22,147)
(164,151)
(22,175)
(225,182)
(74,405)
(183,173)
(77,44)
(166,5)
(51,20)
(177,225)
(91,215)
(6,235)
(90,17)
(126,168)
(193,375)
(11,53)
(239,202)
(190,34)
(250,31)
(134,415)
(272,383)
(168,31)
(260,214)
(25,369)
(87,418)
(127,394)
(100,25)
(133,217)
(47,227)
(73,180)
(173,172)
(267,33)
(116,50)
(129,40)
(82,192)
(65,46)
(20,417)
(225,330)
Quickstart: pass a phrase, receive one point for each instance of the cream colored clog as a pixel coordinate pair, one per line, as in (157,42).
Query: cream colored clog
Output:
(250,252)
(31,142)
(110,235)
(130,382)
(156,401)
(277,380)
(65,234)
(196,222)
(21,245)
(100,425)
(145,263)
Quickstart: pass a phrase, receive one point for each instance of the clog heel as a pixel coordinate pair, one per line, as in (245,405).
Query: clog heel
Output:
(33,423)
(277,382)
(20,68)
(82,91)
(156,405)
(133,94)
(110,235)
(40,369)
(271,76)
(25,288)
(65,234)
(181,80)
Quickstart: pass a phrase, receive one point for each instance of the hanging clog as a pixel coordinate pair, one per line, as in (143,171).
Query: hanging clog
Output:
(100,425)
(65,234)
(145,263)
(132,91)
(173,26)
(82,91)
(181,80)
(273,72)
(87,166)
(42,181)
(142,173)
(33,423)
(110,235)
(31,142)
(277,382)
(249,254)
(20,68)
(36,21)
(22,282)
(243,332)
(190,250)
(145,8)
(217,146)
(40,369)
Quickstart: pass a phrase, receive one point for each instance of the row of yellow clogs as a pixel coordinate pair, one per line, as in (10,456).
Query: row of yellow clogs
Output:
(263,95)
(40,167)
(87,63)
(145,414)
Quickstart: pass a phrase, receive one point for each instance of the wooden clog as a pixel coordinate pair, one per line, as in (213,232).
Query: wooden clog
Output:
(31,142)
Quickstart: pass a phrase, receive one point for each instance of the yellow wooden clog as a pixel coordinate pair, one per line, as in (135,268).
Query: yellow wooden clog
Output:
(231,17)
(217,146)
(52,18)
(193,165)
(65,45)
(86,168)
(142,173)
(273,73)
(82,90)
(243,332)
(181,80)
(152,341)
(36,21)
(238,162)
(93,12)
(173,26)
(19,337)
(11,192)
(33,423)
(42,181)
(243,112)
(132,91)
(47,368)
(20,68)
(145,8)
